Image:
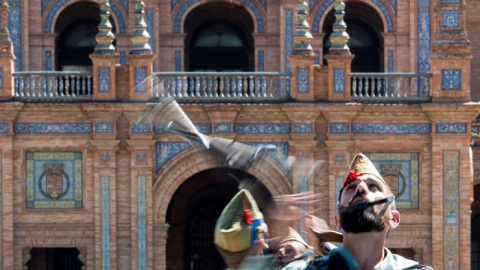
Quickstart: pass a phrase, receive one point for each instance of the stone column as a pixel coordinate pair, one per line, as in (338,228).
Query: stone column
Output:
(7,58)
(7,118)
(451,53)
(452,179)
(140,58)
(104,58)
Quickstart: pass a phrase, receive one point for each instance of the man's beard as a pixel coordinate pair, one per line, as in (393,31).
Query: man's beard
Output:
(361,221)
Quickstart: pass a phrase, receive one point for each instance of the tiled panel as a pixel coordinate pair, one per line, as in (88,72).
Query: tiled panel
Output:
(451,209)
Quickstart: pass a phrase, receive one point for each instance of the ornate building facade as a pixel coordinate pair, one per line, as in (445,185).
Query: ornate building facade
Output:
(85,184)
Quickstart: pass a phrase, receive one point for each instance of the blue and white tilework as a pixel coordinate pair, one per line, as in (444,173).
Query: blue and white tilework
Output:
(1,79)
(222,128)
(288,38)
(186,5)
(168,150)
(451,209)
(3,127)
(104,79)
(303,187)
(123,58)
(302,80)
(105,198)
(44,128)
(339,158)
(401,172)
(450,18)
(142,222)
(317,57)
(339,128)
(302,128)
(391,61)
(150,28)
(141,158)
(280,154)
(339,80)
(15,29)
(205,128)
(104,158)
(270,128)
(141,128)
(424,35)
(140,76)
(58,5)
(264,4)
(178,60)
(54,180)
(448,2)
(261,61)
(475,130)
(124,5)
(451,128)
(416,128)
(329,3)
(107,127)
(451,79)
(48,60)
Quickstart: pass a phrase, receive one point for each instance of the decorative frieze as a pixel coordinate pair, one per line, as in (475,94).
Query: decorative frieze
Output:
(142,222)
(105,211)
(415,128)
(3,127)
(269,128)
(105,127)
(222,128)
(451,128)
(57,128)
(302,127)
(54,180)
(141,128)
(451,209)
(339,128)
(288,38)
(424,35)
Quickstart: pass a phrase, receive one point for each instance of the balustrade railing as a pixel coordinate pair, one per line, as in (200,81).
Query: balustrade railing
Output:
(53,85)
(391,86)
(222,86)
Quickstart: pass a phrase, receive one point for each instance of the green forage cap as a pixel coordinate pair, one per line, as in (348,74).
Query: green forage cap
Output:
(362,165)
(233,231)
(295,236)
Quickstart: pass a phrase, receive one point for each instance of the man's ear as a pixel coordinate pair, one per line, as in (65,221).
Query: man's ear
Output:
(395,220)
(337,222)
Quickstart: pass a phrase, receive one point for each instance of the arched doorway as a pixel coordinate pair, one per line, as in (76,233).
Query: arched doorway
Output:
(365,28)
(193,213)
(475,232)
(54,259)
(76,28)
(219,38)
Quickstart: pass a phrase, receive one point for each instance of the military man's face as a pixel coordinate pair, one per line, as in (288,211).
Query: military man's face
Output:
(364,189)
(290,250)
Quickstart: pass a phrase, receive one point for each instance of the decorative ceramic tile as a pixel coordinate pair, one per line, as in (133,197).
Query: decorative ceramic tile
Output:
(104,158)
(424,35)
(391,61)
(104,127)
(448,2)
(54,180)
(142,158)
(58,5)
(3,127)
(339,158)
(451,128)
(280,154)
(105,198)
(204,128)
(302,128)
(123,58)
(168,150)
(45,128)
(124,5)
(15,29)
(339,128)
(261,61)
(150,28)
(222,128)
(104,79)
(401,172)
(178,60)
(339,80)
(451,79)
(140,76)
(288,38)
(141,128)
(142,222)
(186,5)
(317,57)
(475,131)
(48,60)
(416,128)
(450,18)
(328,3)
(271,128)
(451,209)
(302,80)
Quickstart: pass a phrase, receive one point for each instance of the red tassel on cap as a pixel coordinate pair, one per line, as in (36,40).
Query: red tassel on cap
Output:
(247,217)
(351,177)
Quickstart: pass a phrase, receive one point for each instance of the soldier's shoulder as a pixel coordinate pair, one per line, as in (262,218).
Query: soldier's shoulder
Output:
(318,263)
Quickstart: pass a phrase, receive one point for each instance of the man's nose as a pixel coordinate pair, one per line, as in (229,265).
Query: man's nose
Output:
(362,188)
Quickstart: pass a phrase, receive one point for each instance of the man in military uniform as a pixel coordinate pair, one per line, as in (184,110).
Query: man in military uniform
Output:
(293,253)
(366,213)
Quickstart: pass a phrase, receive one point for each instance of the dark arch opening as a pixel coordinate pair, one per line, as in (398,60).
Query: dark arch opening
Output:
(219,38)
(54,259)
(76,28)
(365,28)
(475,230)
(194,211)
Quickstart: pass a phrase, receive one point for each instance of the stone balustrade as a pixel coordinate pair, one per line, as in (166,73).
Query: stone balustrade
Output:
(221,86)
(391,87)
(52,86)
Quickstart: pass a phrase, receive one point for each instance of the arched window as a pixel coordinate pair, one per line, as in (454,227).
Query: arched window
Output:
(219,38)
(76,29)
(365,29)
